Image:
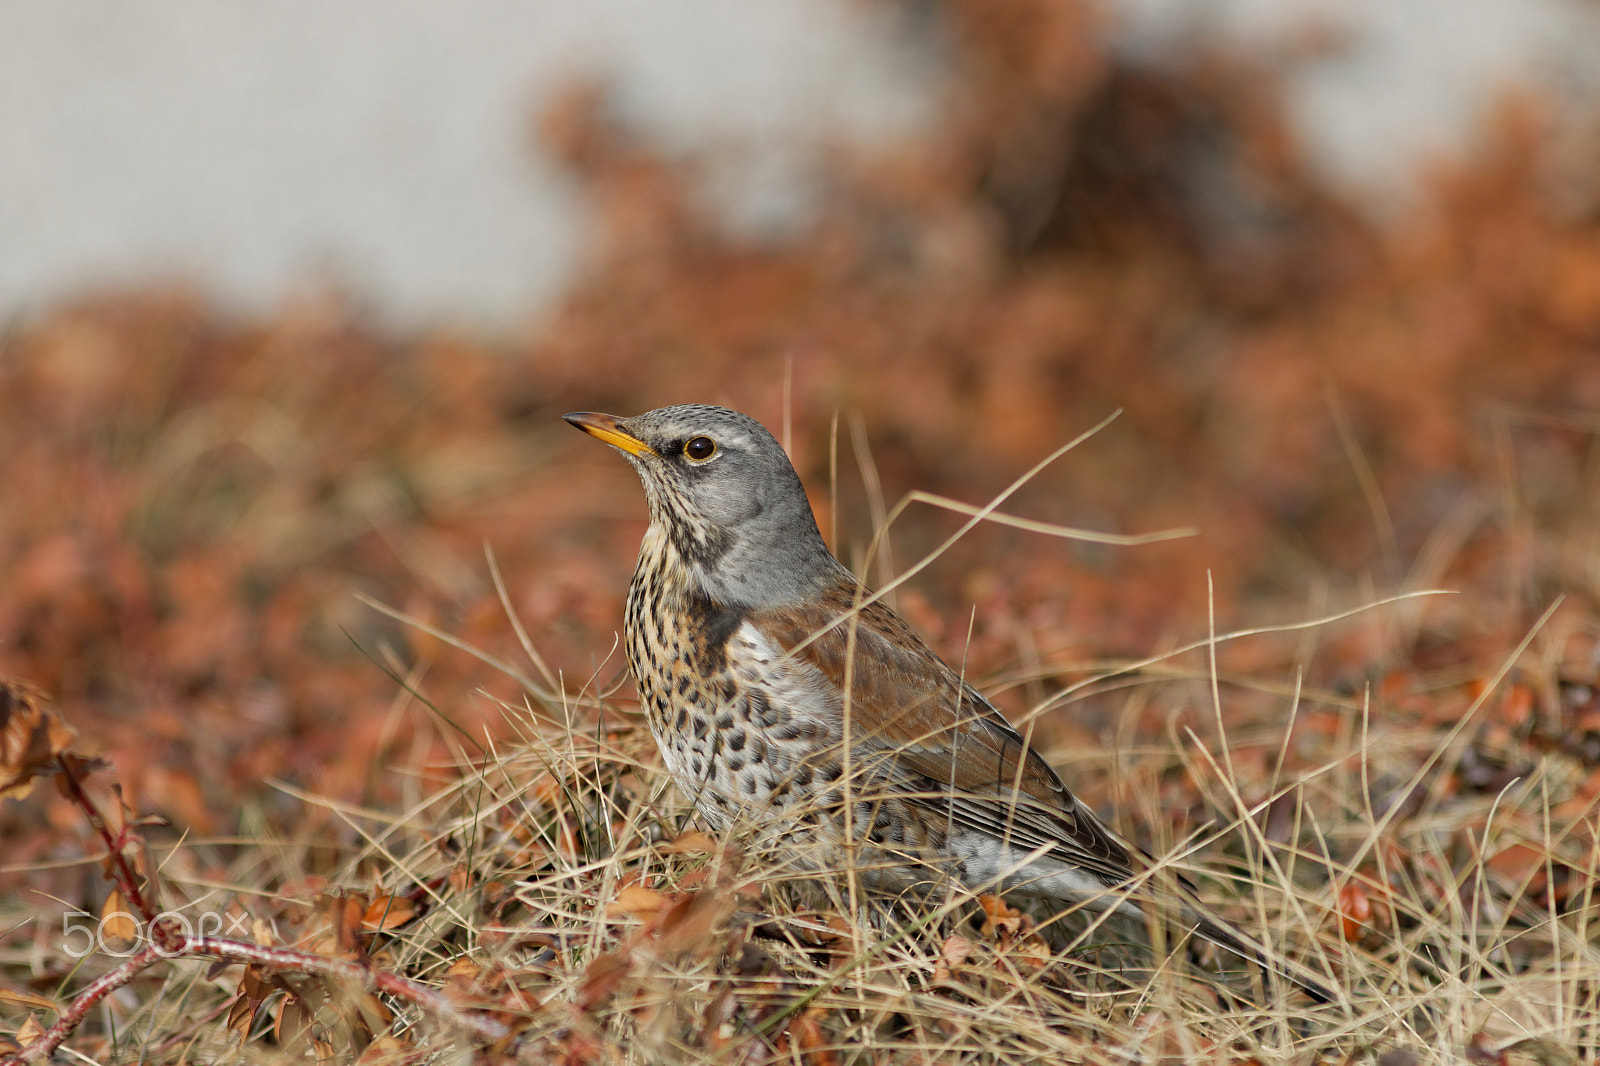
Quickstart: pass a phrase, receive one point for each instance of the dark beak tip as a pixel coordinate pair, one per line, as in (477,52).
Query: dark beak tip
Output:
(607,428)
(589,421)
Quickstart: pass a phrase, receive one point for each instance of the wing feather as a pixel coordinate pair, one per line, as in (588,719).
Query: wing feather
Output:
(957,755)
(909,705)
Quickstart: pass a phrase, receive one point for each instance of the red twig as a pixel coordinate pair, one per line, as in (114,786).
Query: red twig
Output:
(209,947)
(344,970)
(169,941)
(126,878)
(42,1048)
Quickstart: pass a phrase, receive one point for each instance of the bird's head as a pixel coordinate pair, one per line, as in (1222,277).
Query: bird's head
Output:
(724,493)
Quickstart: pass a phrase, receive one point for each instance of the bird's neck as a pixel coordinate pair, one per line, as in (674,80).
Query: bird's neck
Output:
(731,571)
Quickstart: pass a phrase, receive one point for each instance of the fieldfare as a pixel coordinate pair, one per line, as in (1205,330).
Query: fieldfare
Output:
(785,698)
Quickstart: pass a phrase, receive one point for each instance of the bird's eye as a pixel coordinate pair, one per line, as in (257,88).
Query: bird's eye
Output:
(700,449)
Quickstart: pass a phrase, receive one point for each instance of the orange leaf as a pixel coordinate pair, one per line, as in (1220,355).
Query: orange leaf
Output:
(637,901)
(999,917)
(31,737)
(345,913)
(1517,706)
(386,1049)
(463,967)
(601,978)
(388,912)
(1355,911)
(29,1031)
(1521,863)
(18,997)
(954,953)
(1032,951)
(115,920)
(689,922)
(693,842)
(812,1040)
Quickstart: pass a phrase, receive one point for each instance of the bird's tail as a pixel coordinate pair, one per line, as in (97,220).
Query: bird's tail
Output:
(1198,920)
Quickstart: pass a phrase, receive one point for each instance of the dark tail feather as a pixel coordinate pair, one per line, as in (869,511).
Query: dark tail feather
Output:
(1225,936)
(1166,887)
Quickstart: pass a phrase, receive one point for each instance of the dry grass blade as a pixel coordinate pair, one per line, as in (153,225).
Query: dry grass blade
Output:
(1090,536)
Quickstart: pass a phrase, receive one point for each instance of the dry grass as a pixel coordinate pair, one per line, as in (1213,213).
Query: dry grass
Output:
(549,875)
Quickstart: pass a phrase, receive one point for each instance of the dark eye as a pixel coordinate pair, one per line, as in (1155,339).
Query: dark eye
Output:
(700,448)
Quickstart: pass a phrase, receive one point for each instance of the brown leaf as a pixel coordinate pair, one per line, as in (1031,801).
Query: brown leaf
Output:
(29,1031)
(388,912)
(346,913)
(955,951)
(32,736)
(116,921)
(693,842)
(385,1051)
(464,982)
(1480,1052)
(601,978)
(690,921)
(812,1040)
(463,966)
(1518,705)
(1522,863)
(19,997)
(254,987)
(717,1018)
(1000,919)
(637,901)
(293,1023)
(1355,911)
(952,956)
(1031,950)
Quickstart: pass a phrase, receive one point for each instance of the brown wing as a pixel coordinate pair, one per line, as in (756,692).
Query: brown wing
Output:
(907,703)
(910,705)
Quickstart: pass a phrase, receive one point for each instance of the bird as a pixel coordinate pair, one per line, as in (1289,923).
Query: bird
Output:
(786,698)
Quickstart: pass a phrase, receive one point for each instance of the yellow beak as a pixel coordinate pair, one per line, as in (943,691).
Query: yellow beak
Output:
(605,427)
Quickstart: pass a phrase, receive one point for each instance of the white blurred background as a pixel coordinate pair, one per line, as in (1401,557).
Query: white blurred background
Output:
(384,145)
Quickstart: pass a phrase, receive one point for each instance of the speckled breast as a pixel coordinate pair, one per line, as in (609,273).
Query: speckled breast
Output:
(738,744)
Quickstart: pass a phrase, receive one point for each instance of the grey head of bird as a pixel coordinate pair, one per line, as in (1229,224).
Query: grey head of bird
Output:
(724,494)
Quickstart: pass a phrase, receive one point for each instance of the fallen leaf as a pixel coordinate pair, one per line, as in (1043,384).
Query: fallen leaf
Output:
(32,736)
(29,1031)
(812,1040)
(388,912)
(116,922)
(1355,911)
(693,842)
(386,1050)
(1523,865)
(1000,919)
(601,978)
(637,901)
(952,956)
(20,998)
